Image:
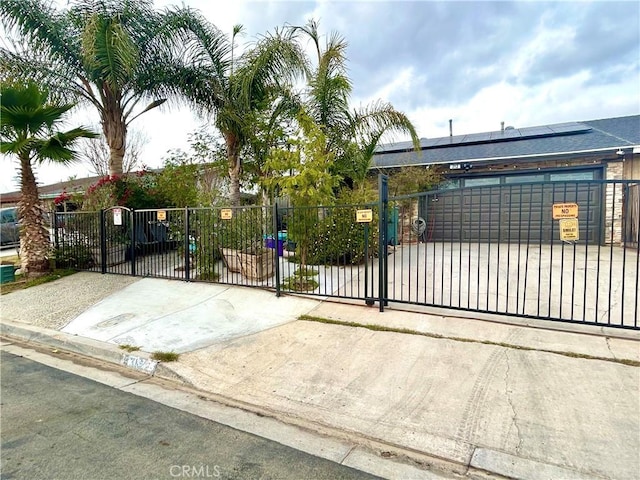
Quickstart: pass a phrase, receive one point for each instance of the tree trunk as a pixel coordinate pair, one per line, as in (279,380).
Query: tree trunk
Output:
(34,236)
(115,132)
(235,167)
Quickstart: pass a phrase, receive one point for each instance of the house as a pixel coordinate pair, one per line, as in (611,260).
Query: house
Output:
(500,171)
(48,193)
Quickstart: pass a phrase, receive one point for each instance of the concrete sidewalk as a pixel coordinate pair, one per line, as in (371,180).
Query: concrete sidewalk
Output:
(465,396)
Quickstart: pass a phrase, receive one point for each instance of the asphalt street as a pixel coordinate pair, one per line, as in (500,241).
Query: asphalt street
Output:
(57,425)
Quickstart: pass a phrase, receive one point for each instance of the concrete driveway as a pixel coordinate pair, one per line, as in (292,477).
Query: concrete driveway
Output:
(167,315)
(596,284)
(579,283)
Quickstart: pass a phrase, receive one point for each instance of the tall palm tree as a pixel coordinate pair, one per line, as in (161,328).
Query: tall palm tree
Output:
(247,87)
(351,134)
(120,56)
(27,130)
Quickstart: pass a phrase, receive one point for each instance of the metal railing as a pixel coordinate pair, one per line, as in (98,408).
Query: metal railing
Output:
(325,251)
(494,249)
(498,249)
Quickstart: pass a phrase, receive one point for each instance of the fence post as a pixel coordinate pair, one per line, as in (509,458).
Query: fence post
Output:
(275,250)
(383,203)
(133,242)
(103,242)
(187,246)
(55,228)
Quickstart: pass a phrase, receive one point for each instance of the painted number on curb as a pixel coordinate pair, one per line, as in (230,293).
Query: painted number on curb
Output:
(139,363)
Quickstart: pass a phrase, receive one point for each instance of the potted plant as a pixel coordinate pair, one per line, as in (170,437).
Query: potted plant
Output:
(236,235)
(256,261)
(230,242)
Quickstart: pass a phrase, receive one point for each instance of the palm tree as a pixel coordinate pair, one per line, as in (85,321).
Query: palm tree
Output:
(255,83)
(351,134)
(27,130)
(116,55)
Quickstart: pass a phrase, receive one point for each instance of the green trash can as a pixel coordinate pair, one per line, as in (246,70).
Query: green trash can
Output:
(392,226)
(7,273)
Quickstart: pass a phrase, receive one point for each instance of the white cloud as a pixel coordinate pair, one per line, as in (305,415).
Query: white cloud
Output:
(478,63)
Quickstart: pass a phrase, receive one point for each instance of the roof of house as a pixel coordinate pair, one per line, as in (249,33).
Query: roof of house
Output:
(52,190)
(511,144)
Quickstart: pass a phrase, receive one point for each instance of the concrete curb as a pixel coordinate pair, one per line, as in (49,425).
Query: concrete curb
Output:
(140,361)
(477,463)
(511,466)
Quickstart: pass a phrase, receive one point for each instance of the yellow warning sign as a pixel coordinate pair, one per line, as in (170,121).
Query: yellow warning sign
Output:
(364,216)
(226,214)
(565,210)
(569,231)
(162,215)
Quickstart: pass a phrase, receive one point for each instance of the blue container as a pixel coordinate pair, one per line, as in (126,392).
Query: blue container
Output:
(270,242)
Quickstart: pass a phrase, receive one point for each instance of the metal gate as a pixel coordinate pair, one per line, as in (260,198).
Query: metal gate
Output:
(495,251)
(499,250)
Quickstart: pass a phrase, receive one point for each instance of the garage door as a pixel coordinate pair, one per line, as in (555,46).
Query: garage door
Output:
(515,208)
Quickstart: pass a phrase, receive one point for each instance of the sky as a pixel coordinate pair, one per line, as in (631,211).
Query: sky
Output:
(478,63)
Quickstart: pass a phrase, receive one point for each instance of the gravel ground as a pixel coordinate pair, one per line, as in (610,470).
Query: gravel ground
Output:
(54,304)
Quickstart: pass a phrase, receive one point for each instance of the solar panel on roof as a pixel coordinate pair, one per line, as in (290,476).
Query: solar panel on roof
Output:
(495,136)
(512,133)
(444,141)
(535,131)
(572,127)
(477,137)
(431,142)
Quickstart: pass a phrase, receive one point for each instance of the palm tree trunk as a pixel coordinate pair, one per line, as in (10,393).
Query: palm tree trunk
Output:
(115,133)
(235,167)
(34,236)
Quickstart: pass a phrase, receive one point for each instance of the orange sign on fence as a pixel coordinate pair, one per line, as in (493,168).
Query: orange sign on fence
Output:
(565,210)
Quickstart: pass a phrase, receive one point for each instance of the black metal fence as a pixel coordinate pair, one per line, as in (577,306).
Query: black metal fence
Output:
(495,249)
(315,250)
(499,249)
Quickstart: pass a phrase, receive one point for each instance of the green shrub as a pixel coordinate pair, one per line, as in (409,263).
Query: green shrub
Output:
(340,240)
(298,283)
(244,230)
(73,256)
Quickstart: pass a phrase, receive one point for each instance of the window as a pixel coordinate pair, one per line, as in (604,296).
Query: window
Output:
(449,183)
(536,177)
(8,216)
(567,176)
(481,181)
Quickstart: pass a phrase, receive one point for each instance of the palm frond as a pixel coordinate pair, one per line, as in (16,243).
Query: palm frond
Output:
(13,145)
(27,122)
(44,29)
(197,41)
(273,60)
(379,119)
(108,51)
(26,108)
(57,148)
